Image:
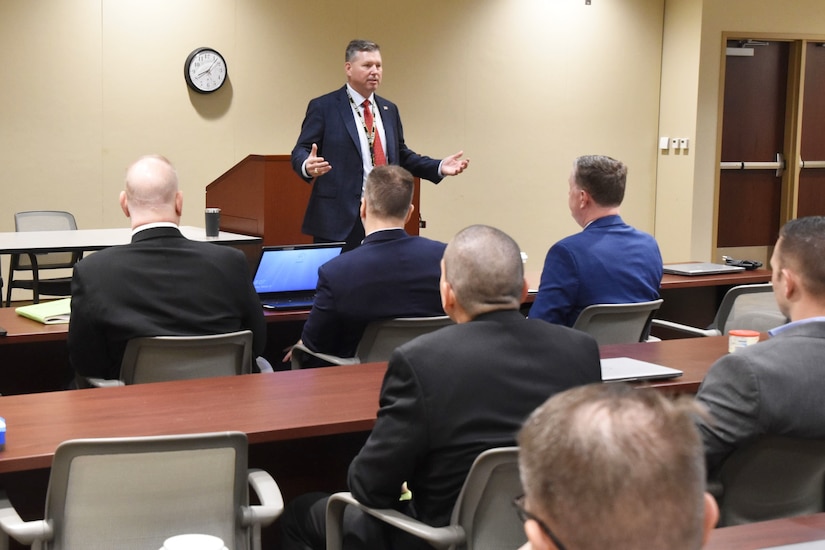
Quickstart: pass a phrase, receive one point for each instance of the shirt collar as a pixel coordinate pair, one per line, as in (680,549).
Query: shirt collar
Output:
(782,328)
(384,229)
(358,98)
(151,226)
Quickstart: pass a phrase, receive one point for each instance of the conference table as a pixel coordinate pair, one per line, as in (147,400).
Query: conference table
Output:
(268,407)
(769,534)
(304,427)
(81,240)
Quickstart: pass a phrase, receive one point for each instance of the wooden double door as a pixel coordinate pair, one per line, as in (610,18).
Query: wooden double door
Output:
(772,165)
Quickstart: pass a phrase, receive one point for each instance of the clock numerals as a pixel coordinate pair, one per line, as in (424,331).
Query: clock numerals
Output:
(205,70)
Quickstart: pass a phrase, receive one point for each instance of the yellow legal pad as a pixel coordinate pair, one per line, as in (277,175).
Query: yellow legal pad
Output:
(53,312)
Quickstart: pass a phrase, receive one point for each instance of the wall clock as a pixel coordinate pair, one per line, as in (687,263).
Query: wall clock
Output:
(205,70)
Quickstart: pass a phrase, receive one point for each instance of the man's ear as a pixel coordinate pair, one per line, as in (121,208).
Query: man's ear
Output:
(789,283)
(448,300)
(536,537)
(711,516)
(124,205)
(409,214)
(362,210)
(179,203)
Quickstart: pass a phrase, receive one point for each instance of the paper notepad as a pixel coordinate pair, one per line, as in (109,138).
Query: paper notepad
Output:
(53,312)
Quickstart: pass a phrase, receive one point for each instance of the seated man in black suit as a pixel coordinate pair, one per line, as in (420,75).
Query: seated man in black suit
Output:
(451,394)
(392,274)
(161,284)
(611,466)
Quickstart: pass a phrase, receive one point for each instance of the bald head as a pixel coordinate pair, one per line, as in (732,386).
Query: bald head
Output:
(151,193)
(482,268)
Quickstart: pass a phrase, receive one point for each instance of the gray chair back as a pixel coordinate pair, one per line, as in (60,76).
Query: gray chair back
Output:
(749,307)
(771,478)
(617,323)
(382,337)
(163,358)
(483,517)
(484,508)
(133,493)
(42,220)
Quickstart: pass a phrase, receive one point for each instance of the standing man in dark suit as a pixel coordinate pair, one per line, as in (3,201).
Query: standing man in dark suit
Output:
(608,262)
(344,135)
(453,393)
(391,275)
(775,387)
(161,284)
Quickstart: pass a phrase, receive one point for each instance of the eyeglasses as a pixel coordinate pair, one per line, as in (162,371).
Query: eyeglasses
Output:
(524,515)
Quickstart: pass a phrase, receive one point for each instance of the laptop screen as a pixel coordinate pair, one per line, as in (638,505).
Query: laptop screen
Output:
(292,268)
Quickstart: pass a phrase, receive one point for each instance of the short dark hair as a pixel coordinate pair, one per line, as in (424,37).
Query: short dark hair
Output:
(356,46)
(389,191)
(613,466)
(603,178)
(803,248)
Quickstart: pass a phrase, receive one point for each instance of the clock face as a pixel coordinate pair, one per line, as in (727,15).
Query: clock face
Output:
(205,70)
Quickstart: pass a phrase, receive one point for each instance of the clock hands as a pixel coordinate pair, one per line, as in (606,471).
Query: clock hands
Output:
(208,69)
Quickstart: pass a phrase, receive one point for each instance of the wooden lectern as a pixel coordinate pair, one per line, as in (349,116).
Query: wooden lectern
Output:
(262,196)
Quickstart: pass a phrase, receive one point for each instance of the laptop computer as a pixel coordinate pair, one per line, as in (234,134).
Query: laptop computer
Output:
(626,369)
(286,276)
(701,268)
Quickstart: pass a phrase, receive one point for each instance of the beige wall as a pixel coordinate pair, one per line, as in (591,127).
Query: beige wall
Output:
(692,59)
(523,86)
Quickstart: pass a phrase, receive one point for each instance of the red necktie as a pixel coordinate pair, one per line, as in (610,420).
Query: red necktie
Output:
(378,157)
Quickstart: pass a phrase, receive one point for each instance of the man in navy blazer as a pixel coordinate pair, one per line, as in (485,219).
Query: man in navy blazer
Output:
(391,275)
(161,284)
(337,148)
(609,262)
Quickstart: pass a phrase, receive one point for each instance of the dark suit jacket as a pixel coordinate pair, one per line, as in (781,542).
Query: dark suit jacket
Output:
(451,394)
(391,275)
(774,387)
(333,205)
(162,284)
(609,262)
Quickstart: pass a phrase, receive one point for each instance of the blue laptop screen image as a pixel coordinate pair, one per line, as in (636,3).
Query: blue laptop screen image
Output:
(287,275)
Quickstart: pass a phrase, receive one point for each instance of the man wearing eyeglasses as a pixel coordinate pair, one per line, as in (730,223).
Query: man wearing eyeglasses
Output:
(611,466)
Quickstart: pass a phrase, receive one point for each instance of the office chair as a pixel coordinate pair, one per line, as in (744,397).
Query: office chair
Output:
(617,323)
(750,307)
(483,516)
(134,493)
(379,340)
(42,220)
(163,358)
(773,477)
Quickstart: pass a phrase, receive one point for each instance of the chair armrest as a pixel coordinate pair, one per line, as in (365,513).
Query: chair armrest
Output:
(104,383)
(24,532)
(439,537)
(300,351)
(684,328)
(269,494)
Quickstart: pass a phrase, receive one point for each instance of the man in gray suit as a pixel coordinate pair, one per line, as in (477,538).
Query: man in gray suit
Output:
(776,386)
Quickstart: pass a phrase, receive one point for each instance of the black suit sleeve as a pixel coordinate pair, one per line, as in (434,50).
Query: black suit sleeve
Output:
(398,438)
(252,312)
(87,344)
